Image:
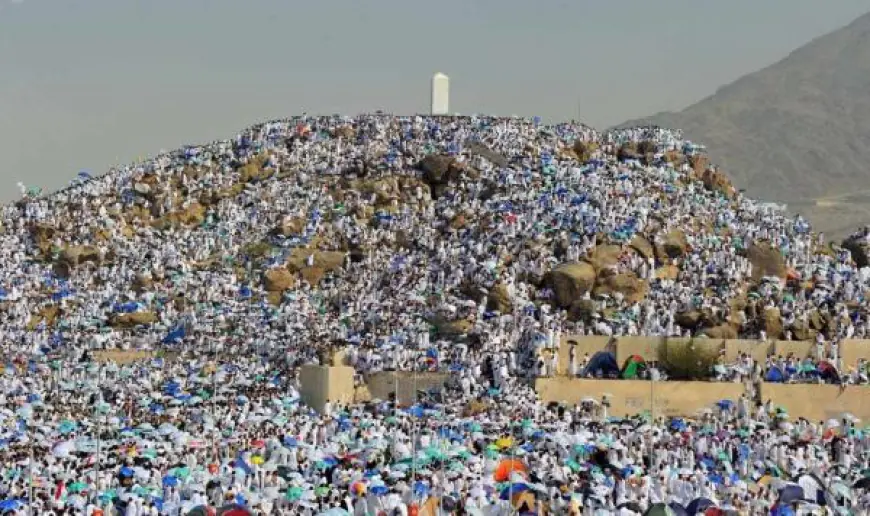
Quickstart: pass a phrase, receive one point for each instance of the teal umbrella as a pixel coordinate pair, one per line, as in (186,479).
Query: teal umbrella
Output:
(76,487)
(294,494)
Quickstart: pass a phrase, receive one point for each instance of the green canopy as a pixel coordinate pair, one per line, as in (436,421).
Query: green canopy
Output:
(634,365)
(659,509)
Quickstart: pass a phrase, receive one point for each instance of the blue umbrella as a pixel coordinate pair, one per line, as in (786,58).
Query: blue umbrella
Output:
(170,481)
(699,505)
(11,504)
(421,489)
(127,472)
(791,493)
(725,404)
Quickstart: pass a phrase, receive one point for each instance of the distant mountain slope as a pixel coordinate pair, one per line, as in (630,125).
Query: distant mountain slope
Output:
(796,132)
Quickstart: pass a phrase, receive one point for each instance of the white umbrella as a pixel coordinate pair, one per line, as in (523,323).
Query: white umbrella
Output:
(63,449)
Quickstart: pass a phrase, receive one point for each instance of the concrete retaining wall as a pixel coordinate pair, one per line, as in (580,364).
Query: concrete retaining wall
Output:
(819,402)
(321,383)
(630,397)
(815,402)
(650,347)
(382,385)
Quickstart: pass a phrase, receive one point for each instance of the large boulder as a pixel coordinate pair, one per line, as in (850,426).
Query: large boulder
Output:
(439,171)
(570,281)
(499,300)
(642,246)
(628,151)
(278,280)
(143,282)
(346,131)
(674,245)
(628,284)
(42,235)
(604,256)
(132,320)
(255,170)
(290,227)
(699,164)
(818,320)
(690,319)
(766,261)
(860,251)
(192,215)
(583,150)
(718,182)
(801,330)
(772,323)
(314,264)
(47,315)
(668,272)
(79,254)
(722,331)
(581,310)
(454,328)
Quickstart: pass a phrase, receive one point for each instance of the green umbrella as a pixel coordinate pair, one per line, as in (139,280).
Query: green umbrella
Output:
(321,491)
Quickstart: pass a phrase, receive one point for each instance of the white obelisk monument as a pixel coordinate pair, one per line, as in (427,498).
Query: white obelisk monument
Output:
(440,94)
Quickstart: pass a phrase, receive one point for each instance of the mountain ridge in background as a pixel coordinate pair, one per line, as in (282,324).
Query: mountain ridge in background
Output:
(796,132)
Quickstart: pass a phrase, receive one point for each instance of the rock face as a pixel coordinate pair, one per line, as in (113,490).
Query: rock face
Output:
(766,261)
(498,300)
(278,280)
(570,281)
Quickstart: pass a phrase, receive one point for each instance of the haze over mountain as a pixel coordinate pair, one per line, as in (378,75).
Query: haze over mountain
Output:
(796,132)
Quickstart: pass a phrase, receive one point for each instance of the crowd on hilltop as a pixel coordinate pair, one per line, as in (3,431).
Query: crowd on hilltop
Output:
(467,245)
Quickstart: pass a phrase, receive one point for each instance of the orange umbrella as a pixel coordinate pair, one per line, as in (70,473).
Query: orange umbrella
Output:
(506,467)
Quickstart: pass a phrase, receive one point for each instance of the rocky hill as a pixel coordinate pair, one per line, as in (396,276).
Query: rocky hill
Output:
(327,231)
(795,132)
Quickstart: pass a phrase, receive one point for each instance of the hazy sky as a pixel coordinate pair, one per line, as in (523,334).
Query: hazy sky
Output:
(85,84)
